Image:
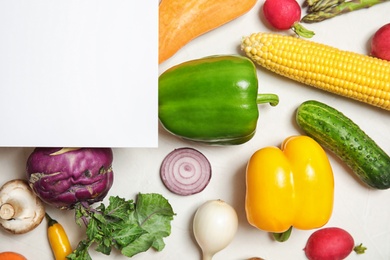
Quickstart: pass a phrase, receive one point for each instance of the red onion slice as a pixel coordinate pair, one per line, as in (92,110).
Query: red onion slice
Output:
(185,171)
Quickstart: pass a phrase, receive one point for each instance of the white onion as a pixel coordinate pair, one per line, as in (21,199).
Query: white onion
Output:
(215,225)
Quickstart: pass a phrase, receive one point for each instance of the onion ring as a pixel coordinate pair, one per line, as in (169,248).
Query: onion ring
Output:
(185,171)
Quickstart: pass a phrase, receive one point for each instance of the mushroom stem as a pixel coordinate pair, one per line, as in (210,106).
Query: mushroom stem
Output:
(11,209)
(7,211)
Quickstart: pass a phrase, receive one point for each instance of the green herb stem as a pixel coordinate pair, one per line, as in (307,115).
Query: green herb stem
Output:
(302,31)
(360,249)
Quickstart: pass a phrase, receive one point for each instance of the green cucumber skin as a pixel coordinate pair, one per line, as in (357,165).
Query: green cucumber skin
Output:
(339,134)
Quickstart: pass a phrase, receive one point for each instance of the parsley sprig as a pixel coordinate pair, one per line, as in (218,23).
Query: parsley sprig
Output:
(128,226)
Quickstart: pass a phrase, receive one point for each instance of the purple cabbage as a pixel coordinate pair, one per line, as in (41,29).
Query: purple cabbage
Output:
(63,177)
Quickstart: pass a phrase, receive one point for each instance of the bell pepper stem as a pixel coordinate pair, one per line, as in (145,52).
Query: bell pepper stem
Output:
(272,99)
(284,236)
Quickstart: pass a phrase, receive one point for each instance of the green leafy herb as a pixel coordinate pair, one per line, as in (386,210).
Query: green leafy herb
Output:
(128,226)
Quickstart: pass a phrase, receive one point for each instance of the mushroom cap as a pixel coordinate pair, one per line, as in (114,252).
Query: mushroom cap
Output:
(23,210)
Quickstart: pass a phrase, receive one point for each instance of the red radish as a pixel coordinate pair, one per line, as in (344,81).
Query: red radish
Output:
(185,171)
(329,244)
(285,15)
(282,14)
(380,43)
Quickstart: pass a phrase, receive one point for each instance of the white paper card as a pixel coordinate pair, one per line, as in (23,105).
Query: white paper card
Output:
(79,73)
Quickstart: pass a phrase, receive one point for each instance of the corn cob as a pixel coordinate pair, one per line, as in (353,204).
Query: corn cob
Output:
(345,73)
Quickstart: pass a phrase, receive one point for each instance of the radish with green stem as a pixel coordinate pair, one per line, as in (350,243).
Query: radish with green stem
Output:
(331,243)
(285,15)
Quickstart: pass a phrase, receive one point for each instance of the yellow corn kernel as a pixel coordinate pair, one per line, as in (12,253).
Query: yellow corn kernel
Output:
(345,73)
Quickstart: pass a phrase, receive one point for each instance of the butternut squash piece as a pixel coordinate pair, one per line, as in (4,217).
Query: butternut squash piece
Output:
(181,21)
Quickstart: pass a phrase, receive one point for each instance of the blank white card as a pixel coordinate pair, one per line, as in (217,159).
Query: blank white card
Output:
(79,73)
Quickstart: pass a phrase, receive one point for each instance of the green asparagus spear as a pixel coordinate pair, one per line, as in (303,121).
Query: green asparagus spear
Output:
(339,9)
(323,4)
(312,2)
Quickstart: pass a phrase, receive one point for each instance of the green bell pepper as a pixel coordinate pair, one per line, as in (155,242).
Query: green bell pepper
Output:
(212,100)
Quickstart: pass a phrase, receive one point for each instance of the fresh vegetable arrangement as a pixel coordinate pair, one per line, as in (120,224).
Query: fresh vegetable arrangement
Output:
(335,131)
(76,178)
(212,100)
(289,187)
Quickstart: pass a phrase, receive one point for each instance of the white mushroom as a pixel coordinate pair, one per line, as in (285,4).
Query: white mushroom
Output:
(20,209)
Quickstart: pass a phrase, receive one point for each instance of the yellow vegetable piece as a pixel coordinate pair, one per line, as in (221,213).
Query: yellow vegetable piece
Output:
(58,239)
(353,75)
(289,187)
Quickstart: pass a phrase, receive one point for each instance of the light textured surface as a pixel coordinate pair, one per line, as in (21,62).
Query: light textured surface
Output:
(70,75)
(364,212)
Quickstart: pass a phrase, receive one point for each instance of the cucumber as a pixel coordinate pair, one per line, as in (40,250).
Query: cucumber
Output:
(339,134)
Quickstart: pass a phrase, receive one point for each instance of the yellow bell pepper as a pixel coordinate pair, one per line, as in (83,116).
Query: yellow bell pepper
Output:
(289,187)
